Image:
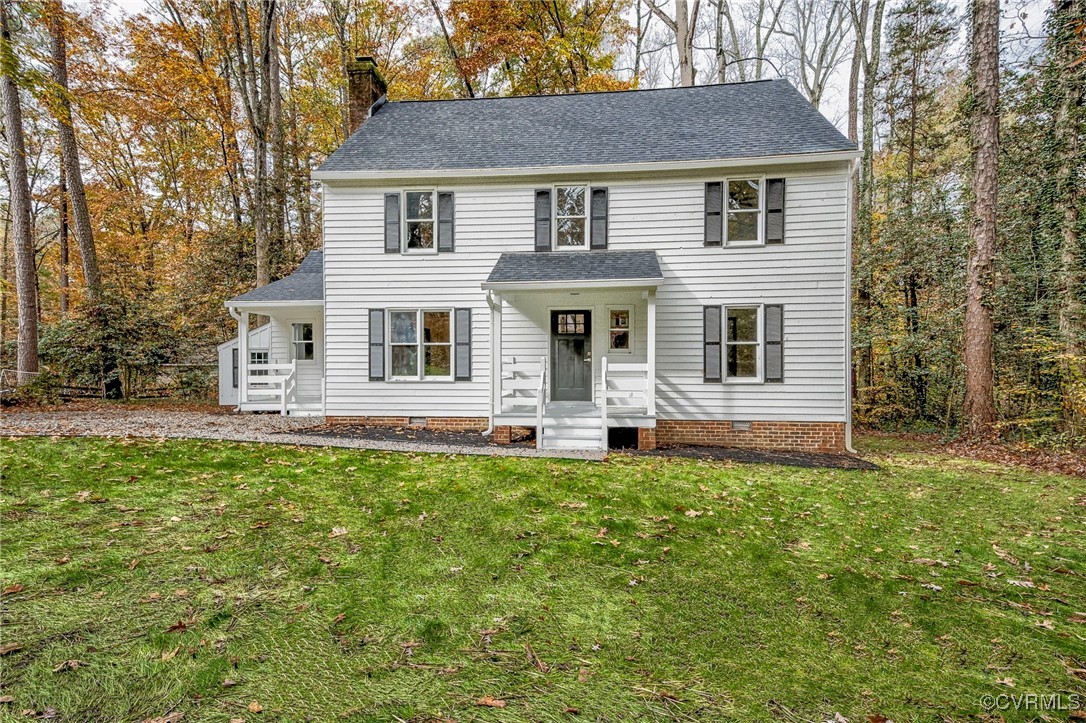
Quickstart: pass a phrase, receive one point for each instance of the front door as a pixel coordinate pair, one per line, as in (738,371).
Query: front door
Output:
(571,356)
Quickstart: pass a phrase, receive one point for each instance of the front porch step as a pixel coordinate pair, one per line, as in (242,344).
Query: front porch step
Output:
(572,435)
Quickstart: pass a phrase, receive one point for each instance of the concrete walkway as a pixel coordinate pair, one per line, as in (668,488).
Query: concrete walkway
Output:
(173,423)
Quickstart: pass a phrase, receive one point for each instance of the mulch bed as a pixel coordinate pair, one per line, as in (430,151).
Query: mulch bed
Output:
(476,439)
(809,460)
(420,435)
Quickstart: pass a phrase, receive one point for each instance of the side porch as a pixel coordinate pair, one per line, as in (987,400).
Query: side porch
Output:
(575,352)
(281,369)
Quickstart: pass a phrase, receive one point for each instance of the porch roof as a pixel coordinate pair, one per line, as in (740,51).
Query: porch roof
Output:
(304,286)
(579,269)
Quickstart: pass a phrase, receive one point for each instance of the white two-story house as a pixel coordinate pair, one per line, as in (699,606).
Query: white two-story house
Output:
(673,261)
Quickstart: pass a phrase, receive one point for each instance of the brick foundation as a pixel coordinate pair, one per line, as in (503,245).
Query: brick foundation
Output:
(438,424)
(786,436)
(505,434)
(646,438)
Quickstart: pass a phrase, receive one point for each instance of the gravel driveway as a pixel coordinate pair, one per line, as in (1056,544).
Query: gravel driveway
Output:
(175,423)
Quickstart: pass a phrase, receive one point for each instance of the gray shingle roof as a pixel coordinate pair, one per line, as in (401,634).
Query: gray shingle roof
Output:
(305,284)
(575,266)
(708,122)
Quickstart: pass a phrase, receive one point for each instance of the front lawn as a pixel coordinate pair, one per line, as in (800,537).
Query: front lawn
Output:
(145,578)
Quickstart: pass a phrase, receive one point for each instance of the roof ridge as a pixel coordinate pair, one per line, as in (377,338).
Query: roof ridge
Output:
(577,94)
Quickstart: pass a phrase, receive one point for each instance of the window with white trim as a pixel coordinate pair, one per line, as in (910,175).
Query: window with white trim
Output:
(742,342)
(570,217)
(419,213)
(743,211)
(258,357)
(620,330)
(420,343)
(301,341)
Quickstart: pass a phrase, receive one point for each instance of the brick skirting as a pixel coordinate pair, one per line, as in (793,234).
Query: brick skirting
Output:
(438,424)
(787,436)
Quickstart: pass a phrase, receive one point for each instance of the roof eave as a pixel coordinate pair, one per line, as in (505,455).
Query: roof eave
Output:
(665,166)
(579,284)
(239,303)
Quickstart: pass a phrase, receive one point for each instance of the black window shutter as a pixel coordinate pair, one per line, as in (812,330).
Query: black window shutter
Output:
(543,219)
(234,367)
(714,205)
(377,345)
(774,343)
(599,218)
(445,221)
(774,211)
(711,342)
(463,345)
(392,223)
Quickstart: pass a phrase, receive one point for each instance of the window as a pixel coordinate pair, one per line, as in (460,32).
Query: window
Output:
(572,323)
(258,357)
(427,355)
(620,330)
(570,222)
(744,211)
(234,367)
(419,215)
(742,343)
(301,338)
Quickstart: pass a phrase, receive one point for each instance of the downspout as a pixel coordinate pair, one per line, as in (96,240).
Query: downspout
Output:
(237,317)
(848,307)
(495,358)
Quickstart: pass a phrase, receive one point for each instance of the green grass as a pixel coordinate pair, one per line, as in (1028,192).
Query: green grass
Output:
(638,588)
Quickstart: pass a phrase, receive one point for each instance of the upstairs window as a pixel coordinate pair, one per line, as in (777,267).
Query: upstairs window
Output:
(419,218)
(570,217)
(743,212)
(301,341)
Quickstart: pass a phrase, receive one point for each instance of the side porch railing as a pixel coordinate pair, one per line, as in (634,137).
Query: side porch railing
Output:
(271,384)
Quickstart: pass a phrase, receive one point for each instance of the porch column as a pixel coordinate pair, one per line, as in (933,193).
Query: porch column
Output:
(496,352)
(243,356)
(651,381)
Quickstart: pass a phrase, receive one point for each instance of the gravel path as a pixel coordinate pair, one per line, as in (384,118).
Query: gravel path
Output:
(185,424)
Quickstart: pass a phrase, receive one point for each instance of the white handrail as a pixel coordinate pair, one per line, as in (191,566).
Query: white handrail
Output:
(540,399)
(288,386)
(603,404)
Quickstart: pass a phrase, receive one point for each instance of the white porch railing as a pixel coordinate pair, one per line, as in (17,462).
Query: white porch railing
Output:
(520,381)
(272,384)
(626,389)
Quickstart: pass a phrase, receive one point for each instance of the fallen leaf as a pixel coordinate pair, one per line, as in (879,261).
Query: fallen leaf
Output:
(928,562)
(228,683)
(255,707)
(1021,583)
(69,665)
(1009,682)
(1079,618)
(491,702)
(170,654)
(12,589)
(260,525)
(132,565)
(179,627)
(571,710)
(9,648)
(7,699)
(338,532)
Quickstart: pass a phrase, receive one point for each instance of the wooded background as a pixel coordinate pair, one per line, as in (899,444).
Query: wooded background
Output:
(167,160)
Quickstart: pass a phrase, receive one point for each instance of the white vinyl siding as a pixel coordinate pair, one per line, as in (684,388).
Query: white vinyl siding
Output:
(806,275)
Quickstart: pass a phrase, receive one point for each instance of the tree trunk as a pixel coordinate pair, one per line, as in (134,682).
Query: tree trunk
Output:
(25,270)
(276,137)
(979,414)
(684,42)
(84,233)
(62,213)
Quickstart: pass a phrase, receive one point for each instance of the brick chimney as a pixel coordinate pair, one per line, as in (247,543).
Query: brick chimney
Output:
(365,86)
